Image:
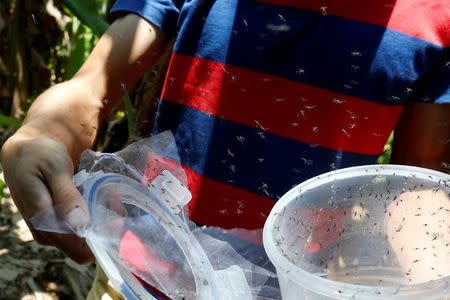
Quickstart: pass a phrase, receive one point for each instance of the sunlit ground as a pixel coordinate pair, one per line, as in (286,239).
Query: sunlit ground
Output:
(31,271)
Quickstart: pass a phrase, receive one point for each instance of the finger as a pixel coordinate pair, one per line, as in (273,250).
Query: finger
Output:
(67,200)
(39,238)
(114,203)
(30,195)
(74,246)
(70,206)
(28,170)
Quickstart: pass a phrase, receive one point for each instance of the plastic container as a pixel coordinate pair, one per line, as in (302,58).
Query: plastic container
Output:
(370,232)
(141,237)
(140,233)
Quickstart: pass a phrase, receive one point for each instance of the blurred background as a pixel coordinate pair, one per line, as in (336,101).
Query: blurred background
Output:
(44,42)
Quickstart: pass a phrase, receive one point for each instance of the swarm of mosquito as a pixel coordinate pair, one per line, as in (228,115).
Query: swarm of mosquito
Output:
(361,199)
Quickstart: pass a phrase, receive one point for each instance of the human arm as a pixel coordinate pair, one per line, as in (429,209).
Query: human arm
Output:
(38,161)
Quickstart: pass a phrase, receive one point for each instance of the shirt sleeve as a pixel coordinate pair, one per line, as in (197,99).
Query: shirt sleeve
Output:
(435,88)
(162,13)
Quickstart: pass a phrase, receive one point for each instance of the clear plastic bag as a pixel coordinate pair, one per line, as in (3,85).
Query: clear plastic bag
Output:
(140,232)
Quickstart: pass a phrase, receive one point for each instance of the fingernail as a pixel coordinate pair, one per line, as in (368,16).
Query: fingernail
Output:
(78,220)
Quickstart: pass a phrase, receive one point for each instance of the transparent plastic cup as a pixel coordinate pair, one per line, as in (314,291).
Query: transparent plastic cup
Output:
(370,232)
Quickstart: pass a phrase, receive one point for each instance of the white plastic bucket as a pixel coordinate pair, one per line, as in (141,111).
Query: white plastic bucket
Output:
(369,232)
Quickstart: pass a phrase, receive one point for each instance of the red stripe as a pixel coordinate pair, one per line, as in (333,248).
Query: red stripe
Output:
(284,107)
(213,203)
(427,20)
(226,206)
(223,205)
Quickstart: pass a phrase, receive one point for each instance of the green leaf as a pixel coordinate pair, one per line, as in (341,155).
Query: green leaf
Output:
(76,58)
(131,115)
(6,121)
(385,157)
(82,42)
(2,189)
(87,12)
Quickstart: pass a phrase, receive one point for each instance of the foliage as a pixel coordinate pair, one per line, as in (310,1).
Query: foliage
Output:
(6,121)
(46,42)
(41,44)
(385,158)
(86,25)
(2,189)
(87,12)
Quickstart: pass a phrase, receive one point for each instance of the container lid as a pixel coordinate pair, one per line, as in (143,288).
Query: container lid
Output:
(142,241)
(141,235)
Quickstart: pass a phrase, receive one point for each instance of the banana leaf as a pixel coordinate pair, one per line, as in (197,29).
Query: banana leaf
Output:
(86,11)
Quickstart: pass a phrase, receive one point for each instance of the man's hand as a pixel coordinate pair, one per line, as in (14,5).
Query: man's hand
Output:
(38,161)
(39,174)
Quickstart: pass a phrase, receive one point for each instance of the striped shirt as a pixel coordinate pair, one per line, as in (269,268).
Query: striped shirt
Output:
(262,95)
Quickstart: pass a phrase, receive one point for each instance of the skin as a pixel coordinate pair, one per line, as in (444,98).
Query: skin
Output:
(38,161)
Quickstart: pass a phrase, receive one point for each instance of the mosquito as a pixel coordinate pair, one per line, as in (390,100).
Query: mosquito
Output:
(260,126)
(356,53)
(35,20)
(241,139)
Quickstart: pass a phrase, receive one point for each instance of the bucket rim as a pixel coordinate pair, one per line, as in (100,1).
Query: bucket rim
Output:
(335,289)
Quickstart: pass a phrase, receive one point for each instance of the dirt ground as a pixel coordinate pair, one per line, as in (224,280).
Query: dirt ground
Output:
(31,271)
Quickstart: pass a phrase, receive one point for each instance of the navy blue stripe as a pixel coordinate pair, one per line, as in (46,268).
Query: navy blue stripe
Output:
(254,160)
(342,55)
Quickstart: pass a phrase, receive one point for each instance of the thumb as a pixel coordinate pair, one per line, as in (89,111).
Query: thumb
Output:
(70,207)
(78,219)
(67,200)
